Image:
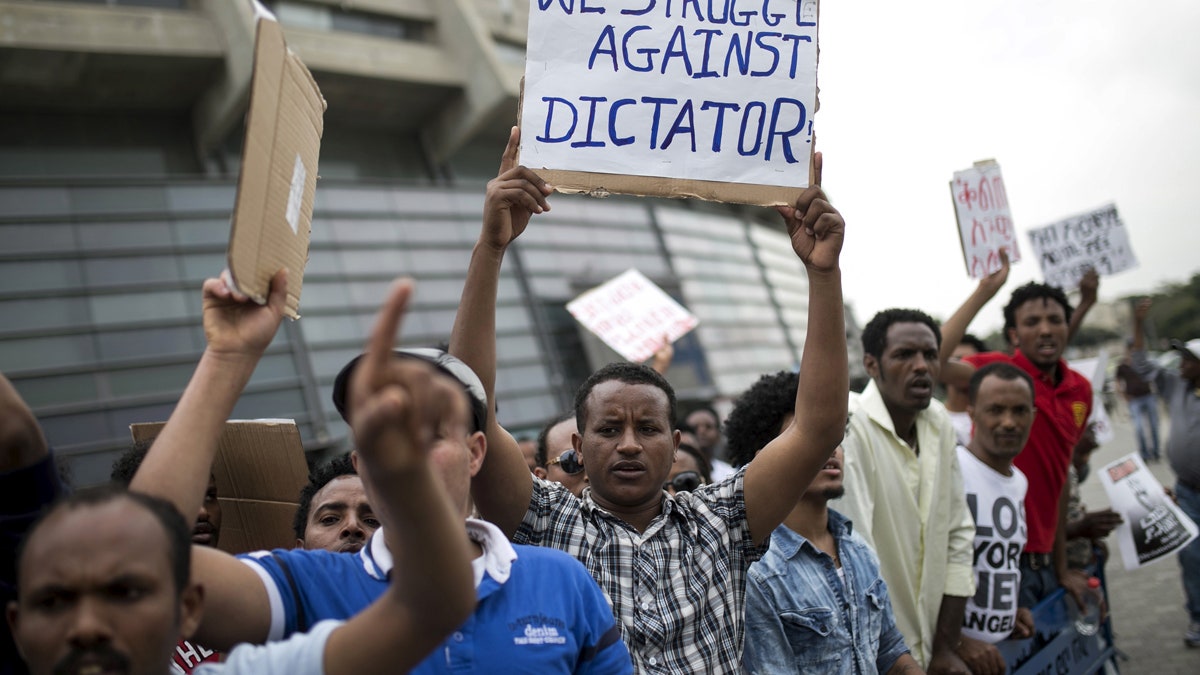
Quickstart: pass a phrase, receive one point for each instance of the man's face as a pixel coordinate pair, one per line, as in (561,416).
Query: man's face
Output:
(1189,368)
(558,441)
(97,595)
(628,444)
(828,482)
(207,529)
(340,518)
(529,450)
(686,464)
(906,370)
(1003,415)
(1041,332)
(963,350)
(708,432)
(455,453)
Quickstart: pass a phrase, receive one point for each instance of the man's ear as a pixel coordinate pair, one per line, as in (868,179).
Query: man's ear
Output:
(299,544)
(1011,334)
(354,460)
(540,472)
(871,364)
(13,614)
(191,609)
(477,447)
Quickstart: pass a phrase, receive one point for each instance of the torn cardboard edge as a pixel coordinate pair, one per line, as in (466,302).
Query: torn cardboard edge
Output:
(272,219)
(259,469)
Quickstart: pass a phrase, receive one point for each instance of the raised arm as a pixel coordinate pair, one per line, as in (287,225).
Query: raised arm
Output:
(396,408)
(958,373)
(781,472)
(503,486)
(179,462)
(237,331)
(1089,285)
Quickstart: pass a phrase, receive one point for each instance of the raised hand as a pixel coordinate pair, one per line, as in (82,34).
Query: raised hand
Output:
(1089,285)
(235,325)
(396,405)
(992,283)
(814,226)
(513,196)
(1141,310)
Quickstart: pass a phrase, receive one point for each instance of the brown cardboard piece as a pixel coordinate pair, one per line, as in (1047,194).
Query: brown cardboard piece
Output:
(272,219)
(260,469)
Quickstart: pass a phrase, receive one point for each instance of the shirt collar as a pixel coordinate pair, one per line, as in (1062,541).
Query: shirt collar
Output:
(1038,374)
(496,561)
(789,542)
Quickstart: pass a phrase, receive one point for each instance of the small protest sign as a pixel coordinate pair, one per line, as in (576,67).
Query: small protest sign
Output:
(984,222)
(272,218)
(1094,369)
(1096,239)
(1154,526)
(259,469)
(631,314)
(713,100)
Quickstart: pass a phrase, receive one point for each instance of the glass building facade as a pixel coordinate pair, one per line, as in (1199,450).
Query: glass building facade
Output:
(111,217)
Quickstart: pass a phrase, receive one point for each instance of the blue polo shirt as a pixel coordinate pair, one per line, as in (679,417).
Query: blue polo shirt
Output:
(538,610)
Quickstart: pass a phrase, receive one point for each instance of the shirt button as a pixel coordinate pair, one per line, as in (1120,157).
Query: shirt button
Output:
(458,637)
(652,661)
(646,606)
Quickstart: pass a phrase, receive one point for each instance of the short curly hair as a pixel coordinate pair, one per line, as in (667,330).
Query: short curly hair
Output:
(335,468)
(627,373)
(127,464)
(1034,291)
(758,414)
(874,335)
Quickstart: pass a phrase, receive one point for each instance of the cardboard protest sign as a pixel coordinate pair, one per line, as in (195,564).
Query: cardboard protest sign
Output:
(711,100)
(631,314)
(985,224)
(1094,370)
(1096,239)
(272,219)
(260,469)
(1154,526)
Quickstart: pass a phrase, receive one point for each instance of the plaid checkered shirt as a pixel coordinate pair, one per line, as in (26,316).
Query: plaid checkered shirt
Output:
(678,590)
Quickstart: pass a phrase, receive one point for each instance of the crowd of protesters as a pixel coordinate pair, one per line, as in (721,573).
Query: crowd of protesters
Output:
(816,531)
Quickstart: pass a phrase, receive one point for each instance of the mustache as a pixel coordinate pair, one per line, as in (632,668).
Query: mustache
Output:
(108,658)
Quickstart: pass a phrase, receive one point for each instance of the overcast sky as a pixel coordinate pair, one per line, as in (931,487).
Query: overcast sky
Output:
(1082,102)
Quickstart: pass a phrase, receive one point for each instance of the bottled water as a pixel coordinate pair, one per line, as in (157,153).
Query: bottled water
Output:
(1088,621)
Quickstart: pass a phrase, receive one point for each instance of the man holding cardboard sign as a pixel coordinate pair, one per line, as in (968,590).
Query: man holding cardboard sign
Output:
(272,595)
(673,567)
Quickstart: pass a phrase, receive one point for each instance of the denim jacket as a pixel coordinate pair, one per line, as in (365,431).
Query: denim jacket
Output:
(801,619)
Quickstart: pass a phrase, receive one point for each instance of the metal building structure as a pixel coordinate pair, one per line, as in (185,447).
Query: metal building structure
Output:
(120,135)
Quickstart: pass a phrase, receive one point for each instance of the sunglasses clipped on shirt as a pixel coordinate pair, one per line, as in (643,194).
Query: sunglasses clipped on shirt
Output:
(684,481)
(568,461)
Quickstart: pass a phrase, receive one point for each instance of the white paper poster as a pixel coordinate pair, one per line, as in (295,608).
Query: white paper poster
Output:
(1094,370)
(985,224)
(1154,526)
(1066,249)
(715,91)
(631,314)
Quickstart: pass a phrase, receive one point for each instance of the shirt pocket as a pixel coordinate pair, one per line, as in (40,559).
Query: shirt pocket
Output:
(812,634)
(873,610)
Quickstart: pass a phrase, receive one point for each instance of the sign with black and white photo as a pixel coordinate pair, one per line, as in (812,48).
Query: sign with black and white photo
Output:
(1154,526)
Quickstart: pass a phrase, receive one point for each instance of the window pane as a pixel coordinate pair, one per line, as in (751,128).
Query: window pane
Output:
(45,352)
(44,391)
(48,275)
(148,342)
(128,307)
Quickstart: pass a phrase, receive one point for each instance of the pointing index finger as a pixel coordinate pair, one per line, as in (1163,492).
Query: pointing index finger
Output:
(387,324)
(818,163)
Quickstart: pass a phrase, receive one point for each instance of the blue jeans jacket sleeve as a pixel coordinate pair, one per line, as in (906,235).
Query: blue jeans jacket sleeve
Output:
(766,649)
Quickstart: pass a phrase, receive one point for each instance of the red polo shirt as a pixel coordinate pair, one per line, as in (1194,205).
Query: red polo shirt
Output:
(1062,414)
